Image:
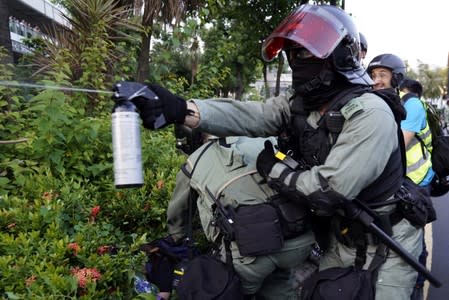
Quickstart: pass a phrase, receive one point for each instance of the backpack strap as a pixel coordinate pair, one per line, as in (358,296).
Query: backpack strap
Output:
(391,97)
(192,199)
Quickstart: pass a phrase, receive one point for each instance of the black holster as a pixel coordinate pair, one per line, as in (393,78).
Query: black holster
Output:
(415,206)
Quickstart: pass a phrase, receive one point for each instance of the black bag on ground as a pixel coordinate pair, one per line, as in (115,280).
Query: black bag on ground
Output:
(257,230)
(347,283)
(207,277)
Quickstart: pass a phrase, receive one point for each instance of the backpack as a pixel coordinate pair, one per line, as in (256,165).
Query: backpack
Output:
(205,276)
(440,151)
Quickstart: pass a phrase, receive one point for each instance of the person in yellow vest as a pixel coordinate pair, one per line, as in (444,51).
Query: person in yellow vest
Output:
(388,71)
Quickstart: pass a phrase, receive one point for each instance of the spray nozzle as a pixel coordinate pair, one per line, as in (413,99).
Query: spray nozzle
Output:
(128,90)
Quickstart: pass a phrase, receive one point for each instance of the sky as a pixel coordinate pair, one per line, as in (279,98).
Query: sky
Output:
(413,30)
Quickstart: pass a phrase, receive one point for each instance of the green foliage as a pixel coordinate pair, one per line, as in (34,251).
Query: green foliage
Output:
(60,215)
(434,80)
(179,65)
(49,188)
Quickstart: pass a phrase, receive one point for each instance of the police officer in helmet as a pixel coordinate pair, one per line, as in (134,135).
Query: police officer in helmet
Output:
(343,136)
(387,71)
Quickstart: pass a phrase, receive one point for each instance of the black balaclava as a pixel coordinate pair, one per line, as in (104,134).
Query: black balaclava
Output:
(315,81)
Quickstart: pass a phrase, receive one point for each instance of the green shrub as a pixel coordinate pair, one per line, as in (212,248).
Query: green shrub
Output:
(61,216)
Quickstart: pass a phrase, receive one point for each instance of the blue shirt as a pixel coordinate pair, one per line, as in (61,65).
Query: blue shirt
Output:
(415,122)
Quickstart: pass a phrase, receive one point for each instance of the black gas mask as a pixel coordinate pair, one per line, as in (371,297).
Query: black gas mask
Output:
(313,79)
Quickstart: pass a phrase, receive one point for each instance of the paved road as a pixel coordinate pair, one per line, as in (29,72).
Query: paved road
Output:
(440,249)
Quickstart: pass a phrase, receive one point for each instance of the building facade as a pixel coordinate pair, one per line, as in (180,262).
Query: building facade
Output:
(29,18)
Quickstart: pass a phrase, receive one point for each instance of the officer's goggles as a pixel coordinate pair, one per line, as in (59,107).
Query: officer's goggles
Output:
(298,53)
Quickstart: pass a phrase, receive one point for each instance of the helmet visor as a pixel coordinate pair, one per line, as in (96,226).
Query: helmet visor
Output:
(312,27)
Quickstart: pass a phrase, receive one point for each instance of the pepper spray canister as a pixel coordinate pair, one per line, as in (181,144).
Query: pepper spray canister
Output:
(126,146)
(127,150)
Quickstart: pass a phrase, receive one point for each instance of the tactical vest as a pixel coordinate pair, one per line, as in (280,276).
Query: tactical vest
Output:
(227,181)
(418,151)
(311,146)
(218,168)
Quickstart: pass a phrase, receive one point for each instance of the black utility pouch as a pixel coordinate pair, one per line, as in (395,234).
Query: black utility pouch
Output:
(413,204)
(293,217)
(257,230)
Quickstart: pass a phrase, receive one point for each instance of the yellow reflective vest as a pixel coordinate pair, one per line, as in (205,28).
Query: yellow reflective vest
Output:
(418,154)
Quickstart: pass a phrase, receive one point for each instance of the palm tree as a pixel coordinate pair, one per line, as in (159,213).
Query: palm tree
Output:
(167,11)
(86,52)
(90,21)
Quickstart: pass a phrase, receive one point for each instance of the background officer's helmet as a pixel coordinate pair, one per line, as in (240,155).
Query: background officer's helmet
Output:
(325,31)
(391,62)
(363,43)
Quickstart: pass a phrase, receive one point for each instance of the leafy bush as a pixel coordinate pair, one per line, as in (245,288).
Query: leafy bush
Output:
(59,196)
(66,231)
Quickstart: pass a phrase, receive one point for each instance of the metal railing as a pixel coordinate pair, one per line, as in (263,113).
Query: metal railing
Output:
(46,8)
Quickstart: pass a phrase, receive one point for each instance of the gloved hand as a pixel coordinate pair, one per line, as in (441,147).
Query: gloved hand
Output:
(266,160)
(156,112)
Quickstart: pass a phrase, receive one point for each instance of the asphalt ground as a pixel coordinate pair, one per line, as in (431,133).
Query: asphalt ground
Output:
(437,241)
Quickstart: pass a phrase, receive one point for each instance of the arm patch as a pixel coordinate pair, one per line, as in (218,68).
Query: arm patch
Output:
(351,108)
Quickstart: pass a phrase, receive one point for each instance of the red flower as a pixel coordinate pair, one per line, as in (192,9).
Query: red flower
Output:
(85,275)
(47,196)
(94,211)
(102,250)
(75,247)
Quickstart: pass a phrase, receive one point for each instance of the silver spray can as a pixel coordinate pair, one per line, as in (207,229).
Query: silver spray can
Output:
(127,150)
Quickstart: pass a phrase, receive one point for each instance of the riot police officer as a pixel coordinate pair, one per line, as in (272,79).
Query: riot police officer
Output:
(344,136)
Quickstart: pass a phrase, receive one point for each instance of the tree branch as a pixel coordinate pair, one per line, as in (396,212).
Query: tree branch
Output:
(23,140)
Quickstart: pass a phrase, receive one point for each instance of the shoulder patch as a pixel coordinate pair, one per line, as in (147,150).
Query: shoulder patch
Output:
(352,107)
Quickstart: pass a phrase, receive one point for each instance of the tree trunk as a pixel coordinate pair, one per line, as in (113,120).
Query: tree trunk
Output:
(239,87)
(143,61)
(5,36)
(265,80)
(278,75)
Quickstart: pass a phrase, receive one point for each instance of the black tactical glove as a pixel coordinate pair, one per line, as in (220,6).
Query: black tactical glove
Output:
(266,160)
(157,106)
